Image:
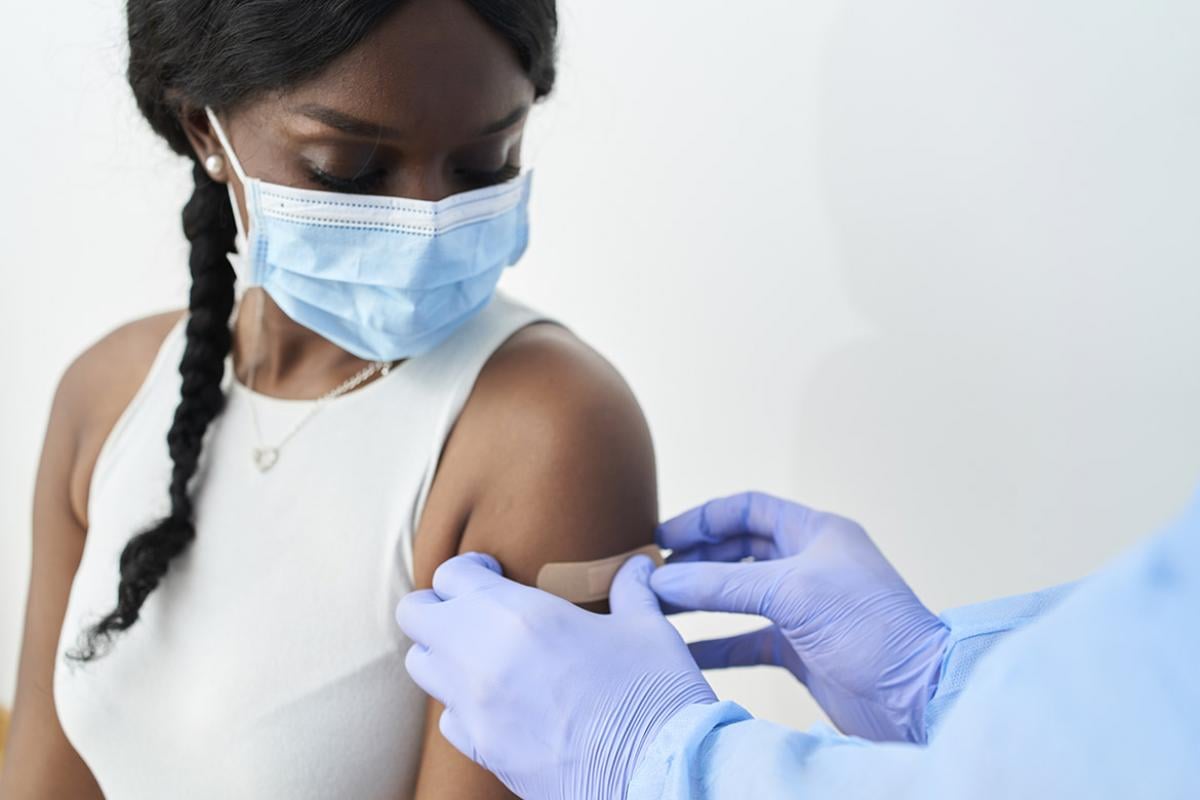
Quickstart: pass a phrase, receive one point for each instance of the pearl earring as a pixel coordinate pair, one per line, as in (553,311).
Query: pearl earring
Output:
(215,164)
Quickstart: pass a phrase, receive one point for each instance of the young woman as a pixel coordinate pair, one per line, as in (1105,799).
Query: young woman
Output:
(232,497)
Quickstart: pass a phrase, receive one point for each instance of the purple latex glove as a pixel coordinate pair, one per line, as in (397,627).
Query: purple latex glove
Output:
(556,701)
(845,623)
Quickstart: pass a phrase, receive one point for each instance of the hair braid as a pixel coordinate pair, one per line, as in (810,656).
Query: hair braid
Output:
(209,226)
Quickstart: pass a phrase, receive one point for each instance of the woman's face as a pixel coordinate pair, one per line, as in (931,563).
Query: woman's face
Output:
(431,103)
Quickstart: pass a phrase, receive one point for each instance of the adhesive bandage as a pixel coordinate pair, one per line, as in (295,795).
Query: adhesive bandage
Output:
(588,581)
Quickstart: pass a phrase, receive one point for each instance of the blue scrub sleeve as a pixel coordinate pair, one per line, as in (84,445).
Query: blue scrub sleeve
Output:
(696,732)
(692,757)
(974,631)
(1098,699)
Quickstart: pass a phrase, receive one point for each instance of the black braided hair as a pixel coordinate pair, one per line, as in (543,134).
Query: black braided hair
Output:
(225,53)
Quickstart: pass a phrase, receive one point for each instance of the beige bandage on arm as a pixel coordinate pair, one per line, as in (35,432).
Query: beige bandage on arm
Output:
(589,581)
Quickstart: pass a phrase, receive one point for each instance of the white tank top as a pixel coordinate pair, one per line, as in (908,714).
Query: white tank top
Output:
(267,663)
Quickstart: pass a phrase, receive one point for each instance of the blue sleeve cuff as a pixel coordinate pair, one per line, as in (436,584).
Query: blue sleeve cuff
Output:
(681,737)
(974,631)
(719,750)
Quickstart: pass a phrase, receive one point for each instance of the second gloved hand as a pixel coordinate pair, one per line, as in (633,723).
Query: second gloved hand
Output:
(558,702)
(846,624)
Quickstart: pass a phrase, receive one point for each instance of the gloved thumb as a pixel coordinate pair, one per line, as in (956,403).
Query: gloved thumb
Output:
(466,573)
(709,586)
(630,590)
(764,646)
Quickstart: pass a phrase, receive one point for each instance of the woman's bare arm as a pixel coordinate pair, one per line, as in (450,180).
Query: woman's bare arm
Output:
(550,461)
(40,762)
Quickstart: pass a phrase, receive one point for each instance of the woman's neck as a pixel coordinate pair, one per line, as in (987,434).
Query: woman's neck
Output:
(290,361)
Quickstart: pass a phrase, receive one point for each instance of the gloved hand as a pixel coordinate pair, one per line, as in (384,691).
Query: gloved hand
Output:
(846,624)
(556,701)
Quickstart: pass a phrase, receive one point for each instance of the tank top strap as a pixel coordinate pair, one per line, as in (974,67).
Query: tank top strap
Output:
(446,377)
(163,368)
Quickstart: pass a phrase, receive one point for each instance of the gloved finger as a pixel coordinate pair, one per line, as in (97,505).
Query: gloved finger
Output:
(735,588)
(763,646)
(465,573)
(735,548)
(751,513)
(416,613)
(630,590)
(425,671)
(456,734)
(670,608)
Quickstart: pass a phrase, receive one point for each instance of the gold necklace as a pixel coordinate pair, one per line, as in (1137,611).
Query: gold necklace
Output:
(265,456)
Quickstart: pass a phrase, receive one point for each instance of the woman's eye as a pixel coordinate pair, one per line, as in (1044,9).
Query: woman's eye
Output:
(357,184)
(362,184)
(489,178)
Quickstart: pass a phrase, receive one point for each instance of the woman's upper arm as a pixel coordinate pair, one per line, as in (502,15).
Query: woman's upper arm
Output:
(39,761)
(550,461)
(91,394)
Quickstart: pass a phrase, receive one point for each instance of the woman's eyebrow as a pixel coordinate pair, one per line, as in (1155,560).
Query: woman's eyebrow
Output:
(515,116)
(339,120)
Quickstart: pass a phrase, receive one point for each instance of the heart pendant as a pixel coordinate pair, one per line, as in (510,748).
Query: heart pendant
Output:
(265,457)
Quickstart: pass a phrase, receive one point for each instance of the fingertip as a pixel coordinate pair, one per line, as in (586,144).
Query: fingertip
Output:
(678,531)
(635,570)
(482,559)
(661,535)
(415,652)
(631,586)
(464,573)
(418,663)
(412,604)
(639,565)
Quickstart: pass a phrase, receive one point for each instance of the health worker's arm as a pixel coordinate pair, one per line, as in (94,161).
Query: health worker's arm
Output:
(551,460)
(974,631)
(1097,699)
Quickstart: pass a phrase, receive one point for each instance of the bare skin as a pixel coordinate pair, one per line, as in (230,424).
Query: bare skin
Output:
(91,394)
(551,459)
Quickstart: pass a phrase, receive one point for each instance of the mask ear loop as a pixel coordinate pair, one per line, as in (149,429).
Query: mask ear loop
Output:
(217,129)
(241,241)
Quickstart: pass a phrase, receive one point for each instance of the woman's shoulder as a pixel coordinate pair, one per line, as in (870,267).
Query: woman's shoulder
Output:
(551,460)
(99,384)
(548,389)
(548,366)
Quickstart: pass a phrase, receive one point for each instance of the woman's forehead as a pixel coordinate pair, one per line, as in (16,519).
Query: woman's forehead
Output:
(431,67)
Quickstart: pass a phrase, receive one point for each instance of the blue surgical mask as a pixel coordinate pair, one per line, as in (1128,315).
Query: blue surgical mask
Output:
(384,278)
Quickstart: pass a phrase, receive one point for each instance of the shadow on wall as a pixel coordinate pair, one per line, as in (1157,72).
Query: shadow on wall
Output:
(1016,193)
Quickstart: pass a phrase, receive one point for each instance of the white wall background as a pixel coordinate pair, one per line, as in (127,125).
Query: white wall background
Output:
(932,264)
